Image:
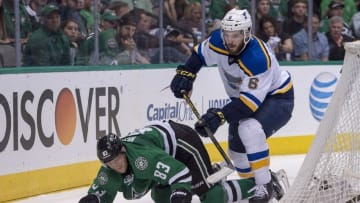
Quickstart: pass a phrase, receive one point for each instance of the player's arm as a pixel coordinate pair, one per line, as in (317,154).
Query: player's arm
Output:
(170,171)
(185,75)
(252,93)
(164,169)
(104,187)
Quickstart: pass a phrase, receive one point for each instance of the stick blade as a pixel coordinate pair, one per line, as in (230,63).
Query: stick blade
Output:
(217,176)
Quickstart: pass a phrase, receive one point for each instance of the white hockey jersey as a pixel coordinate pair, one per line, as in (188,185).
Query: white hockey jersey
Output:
(250,76)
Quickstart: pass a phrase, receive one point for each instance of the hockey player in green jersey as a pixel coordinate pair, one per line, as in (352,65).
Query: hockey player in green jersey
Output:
(166,158)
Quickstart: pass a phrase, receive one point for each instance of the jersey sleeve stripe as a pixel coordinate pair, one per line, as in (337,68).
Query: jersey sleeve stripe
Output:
(260,163)
(168,137)
(183,176)
(231,191)
(258,155)
(197,50)
(250,101)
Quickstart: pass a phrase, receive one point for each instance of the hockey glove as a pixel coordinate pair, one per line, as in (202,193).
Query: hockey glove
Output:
(180,196)
(212,120)
(90,198)
(183,81)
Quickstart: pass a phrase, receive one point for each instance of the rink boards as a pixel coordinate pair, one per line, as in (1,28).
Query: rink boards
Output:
(50,120)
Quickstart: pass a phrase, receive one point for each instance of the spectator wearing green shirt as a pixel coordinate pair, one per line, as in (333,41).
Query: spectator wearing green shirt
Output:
(9,17)
(218,8)
(108,46)
(48,46)
(87,14)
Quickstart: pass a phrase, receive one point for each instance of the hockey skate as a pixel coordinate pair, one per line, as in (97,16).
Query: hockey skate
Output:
(262,193)
(276,188)
(280,183)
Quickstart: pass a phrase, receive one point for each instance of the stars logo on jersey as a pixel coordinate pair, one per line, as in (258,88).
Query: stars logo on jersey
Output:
(129,179)
(103,178)
(141,163)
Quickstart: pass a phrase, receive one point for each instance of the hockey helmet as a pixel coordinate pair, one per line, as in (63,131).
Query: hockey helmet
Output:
(108,147)
(237,19)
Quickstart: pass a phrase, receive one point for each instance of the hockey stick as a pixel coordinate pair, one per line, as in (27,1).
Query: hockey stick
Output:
(229,168)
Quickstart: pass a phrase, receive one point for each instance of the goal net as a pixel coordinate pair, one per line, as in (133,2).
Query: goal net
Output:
(331,170)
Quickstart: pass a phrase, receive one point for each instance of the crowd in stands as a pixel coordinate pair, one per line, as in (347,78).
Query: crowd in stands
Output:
(62,32)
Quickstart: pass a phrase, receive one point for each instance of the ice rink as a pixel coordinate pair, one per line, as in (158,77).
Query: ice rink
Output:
(291,164)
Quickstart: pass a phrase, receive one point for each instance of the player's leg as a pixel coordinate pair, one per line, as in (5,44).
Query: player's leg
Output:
(274,113)
(192,152)
(254,140)
(229,191)
(250,152)
(237,152)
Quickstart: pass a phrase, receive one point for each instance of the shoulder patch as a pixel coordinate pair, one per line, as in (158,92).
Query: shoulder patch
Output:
(103,178)
(141,163)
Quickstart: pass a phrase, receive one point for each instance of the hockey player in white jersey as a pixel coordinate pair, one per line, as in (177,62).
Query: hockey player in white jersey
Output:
(262,95)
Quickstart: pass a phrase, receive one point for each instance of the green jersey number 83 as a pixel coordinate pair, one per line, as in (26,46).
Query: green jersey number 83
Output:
(161,170)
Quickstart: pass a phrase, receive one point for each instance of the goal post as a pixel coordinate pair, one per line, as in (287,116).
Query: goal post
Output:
(330,172)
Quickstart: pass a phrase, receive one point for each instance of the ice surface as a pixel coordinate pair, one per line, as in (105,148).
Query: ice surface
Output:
(290,163)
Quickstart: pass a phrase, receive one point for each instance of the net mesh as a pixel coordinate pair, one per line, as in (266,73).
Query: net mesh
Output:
(331,170)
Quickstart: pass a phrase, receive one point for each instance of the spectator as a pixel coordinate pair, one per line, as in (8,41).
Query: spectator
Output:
(175,50)
(71,10)
(125,38)
(336,38)
(80,4)
(147,40)
(143,4)
(262,9)
(279,9)
(191,21)
(297,17)
(219,8)
(4,39)
(320,49)
(355,23)
(87,13)
(33,8)
(336,8)
(349,8)
(71,29)
(7,52)
(48,46)
(108,46)
(120,8)
(9,18)
(147,43)
(170,12)
(280,42)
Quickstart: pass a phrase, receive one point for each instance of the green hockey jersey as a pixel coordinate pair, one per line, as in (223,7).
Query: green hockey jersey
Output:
(150,153)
